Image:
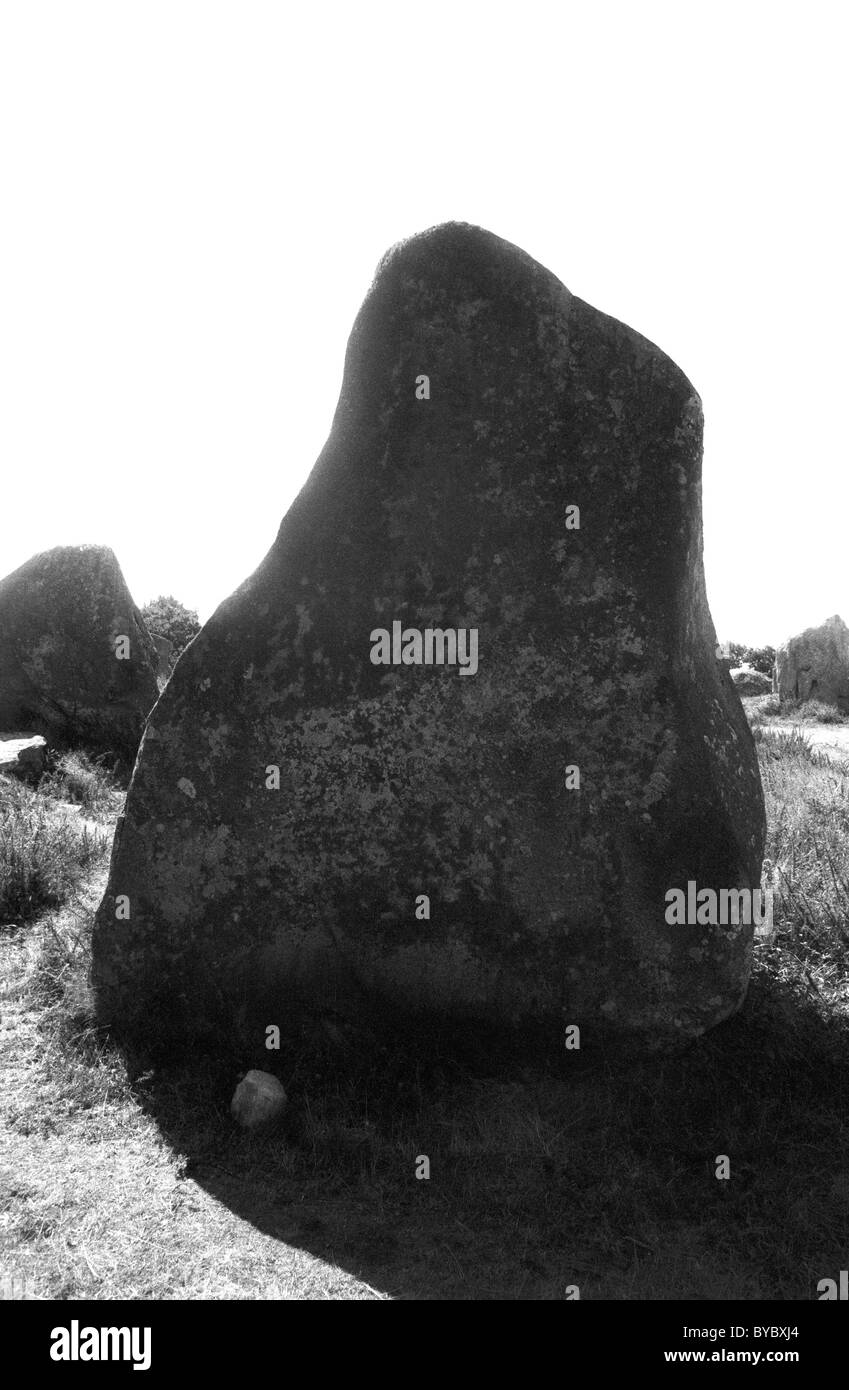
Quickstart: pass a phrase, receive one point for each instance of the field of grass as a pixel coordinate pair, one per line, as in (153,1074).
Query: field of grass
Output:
(120,1181)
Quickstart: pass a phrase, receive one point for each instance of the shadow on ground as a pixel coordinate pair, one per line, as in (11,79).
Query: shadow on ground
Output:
(548,1169)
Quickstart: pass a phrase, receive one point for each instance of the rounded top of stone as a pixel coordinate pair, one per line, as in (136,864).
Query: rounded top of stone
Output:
(452,287)
(458,238)
(69,556)
(834,624)
(59,552)
(452,250)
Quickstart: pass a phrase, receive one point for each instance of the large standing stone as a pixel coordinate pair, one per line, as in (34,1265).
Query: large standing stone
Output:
(444,504)
(64,672)
(815,665)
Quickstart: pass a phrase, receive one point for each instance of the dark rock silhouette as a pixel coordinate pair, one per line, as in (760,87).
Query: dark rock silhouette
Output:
(23,756)
(62,616)
(480,401)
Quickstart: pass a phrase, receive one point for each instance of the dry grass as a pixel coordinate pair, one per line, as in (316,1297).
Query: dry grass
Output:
(44,852)
(768,709)
(93,1201)
(76,778)
(807,795)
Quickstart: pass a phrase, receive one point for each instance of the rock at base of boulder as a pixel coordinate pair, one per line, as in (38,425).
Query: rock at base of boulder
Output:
(259,1098)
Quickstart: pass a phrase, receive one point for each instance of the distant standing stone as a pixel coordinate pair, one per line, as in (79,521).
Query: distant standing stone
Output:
(77,663)
(814,665)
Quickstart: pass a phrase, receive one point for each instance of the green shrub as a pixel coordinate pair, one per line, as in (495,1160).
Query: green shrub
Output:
(812,712)
(167,617)
(762,658)
(764,708)
(44,852)
(761,709)
(816,712)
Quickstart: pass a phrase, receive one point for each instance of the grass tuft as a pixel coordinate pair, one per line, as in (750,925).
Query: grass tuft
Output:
(807,851)
(77,778)
(44,852)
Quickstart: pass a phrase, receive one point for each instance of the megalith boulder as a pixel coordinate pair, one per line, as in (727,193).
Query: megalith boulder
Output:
(814,665)
(449,748)
(77,663)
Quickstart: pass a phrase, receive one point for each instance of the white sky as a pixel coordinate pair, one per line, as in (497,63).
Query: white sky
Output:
(194,197)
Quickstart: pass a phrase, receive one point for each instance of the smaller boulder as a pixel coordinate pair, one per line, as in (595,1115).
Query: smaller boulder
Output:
(748,681)
(22,755)
(258,1099)
(77,663)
